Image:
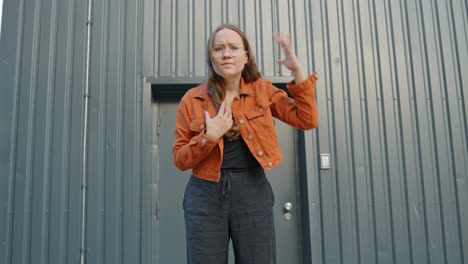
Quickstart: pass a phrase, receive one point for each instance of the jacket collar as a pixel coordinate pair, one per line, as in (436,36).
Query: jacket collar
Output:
(245,89)
(202,93)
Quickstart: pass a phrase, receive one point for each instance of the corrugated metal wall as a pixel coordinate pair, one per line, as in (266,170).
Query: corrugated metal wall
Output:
(41,67)
(43,64)
(393,116)
(176,33)
(392,98)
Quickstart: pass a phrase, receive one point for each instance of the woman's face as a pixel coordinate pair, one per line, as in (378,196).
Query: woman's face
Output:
(228,54)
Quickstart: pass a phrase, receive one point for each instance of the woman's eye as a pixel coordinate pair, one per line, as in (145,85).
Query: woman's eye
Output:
(218,49)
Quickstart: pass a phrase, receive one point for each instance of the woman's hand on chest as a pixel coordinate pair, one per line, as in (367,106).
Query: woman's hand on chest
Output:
(220,123)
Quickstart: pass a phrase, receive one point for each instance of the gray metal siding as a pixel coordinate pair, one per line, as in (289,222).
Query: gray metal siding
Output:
(40,132)
(118,212)
(393,116)
(43,52)
(392,104)
(176,33)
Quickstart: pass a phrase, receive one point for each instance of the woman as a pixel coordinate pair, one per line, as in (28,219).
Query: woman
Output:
(225,133)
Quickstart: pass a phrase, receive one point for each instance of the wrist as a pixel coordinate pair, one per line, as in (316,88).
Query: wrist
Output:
(299,75)
(210,136)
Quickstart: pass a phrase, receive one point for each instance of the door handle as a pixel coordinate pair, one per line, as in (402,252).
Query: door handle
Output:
(287,207)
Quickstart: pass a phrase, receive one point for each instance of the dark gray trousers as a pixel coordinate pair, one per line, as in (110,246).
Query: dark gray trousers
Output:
(240,208)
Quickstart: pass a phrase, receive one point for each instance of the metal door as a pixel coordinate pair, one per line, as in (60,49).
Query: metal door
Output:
(171,185)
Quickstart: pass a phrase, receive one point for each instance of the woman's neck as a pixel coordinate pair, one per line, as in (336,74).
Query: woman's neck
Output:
(232,85)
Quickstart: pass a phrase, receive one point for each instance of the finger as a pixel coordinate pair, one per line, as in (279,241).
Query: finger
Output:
(280,41)
(222,108)
(227,114)
(229,121)
(281,61)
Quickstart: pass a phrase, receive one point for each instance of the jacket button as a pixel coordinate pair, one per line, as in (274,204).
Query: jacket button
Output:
(203,140)
(270,164)
(260,153)
(250,137)
(202,126)
(241,121)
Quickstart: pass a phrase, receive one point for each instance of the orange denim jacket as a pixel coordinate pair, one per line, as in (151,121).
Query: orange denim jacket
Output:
(253,111)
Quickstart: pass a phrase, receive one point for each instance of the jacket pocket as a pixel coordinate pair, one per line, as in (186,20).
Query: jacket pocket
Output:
(197,125)
(258,110)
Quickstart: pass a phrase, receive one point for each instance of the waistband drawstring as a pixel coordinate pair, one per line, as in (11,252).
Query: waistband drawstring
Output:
(225,184)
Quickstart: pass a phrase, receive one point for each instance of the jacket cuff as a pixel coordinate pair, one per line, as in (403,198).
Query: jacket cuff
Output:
(205,142)
(304,85)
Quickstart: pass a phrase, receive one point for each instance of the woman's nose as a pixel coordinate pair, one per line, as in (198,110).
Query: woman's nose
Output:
(227,52)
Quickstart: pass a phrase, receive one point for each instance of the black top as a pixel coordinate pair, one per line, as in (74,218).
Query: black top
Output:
(237,155)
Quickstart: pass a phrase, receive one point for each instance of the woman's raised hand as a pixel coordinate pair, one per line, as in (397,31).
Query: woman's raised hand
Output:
(290,61)
(219,124)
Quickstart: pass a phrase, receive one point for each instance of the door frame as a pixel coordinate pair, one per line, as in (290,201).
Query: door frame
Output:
(176,87)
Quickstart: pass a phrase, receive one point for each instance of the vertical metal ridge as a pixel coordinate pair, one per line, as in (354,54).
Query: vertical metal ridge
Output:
(208,17)
(134,237)
(14,137)
(66,128)
(192,27)
(305,22)
(341,47)
(241,13)
(258,36)
(404,169)
(356,26)
(448,117)
(191,43)
(448,122)
(349,124)
(243,25)
(417,127)
(462,99)
(464,125)
(49,119)
(371,227)
(176,43)
(323,24)
(332,123)
(28,185)
(309,33)
(155,44)
(120,135)
(381,143)
(227,17)
(291,30)
(389,101)
(331,137)
(401,135)
(276,28)
(102,144)
(174,40)
(439,49)
(367,136)
(157,37)
(137,168)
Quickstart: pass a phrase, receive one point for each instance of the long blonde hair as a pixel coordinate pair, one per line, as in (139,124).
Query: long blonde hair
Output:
(216,82)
